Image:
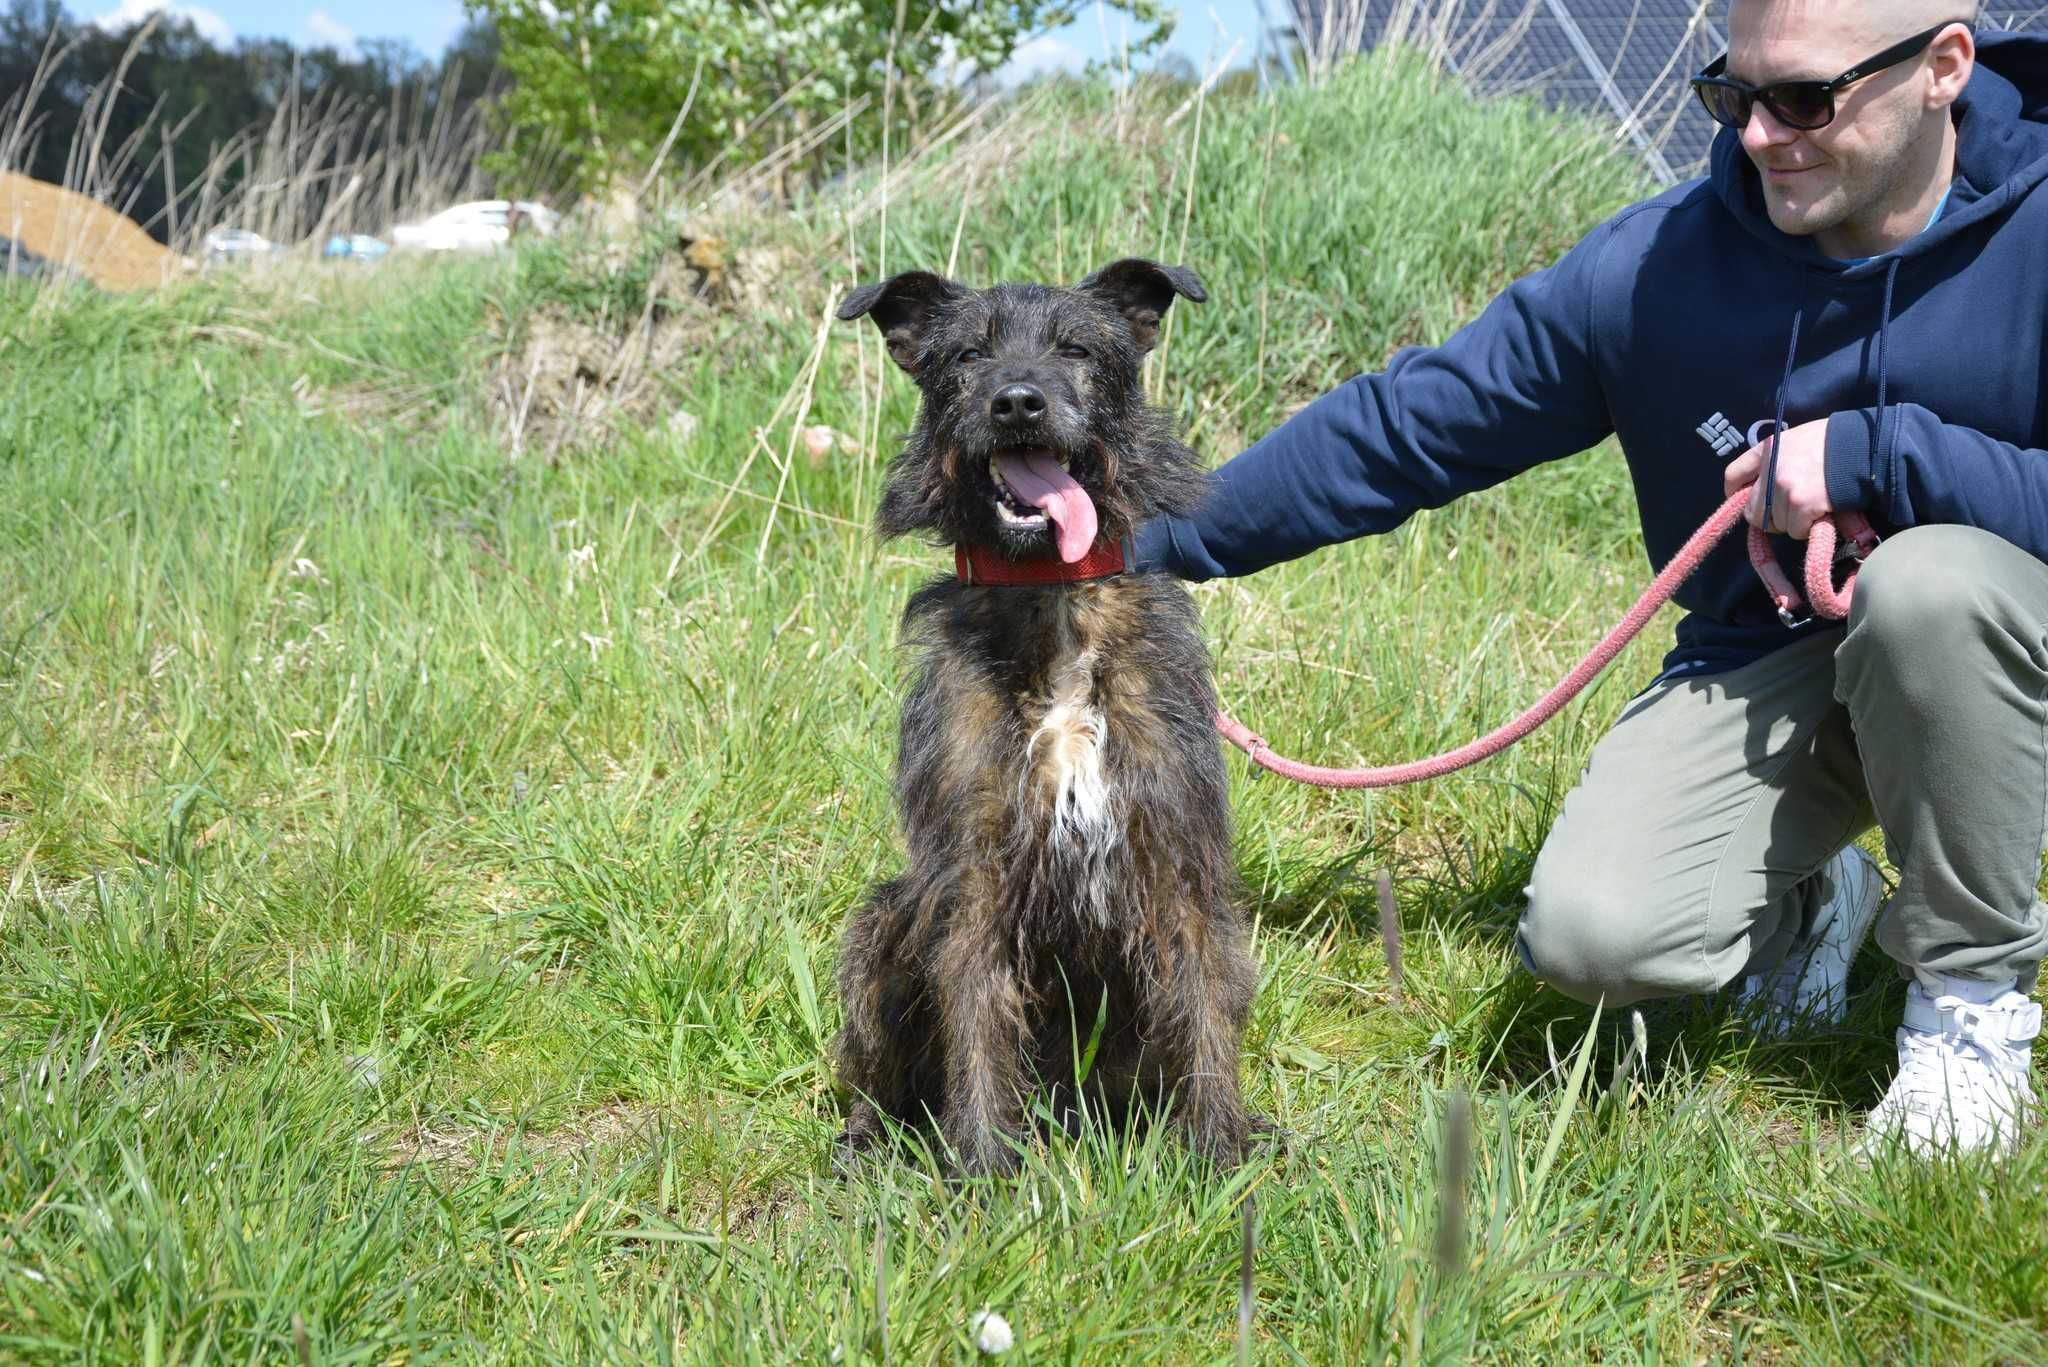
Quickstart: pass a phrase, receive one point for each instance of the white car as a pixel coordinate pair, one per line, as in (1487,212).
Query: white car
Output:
(480,225)
(230,244)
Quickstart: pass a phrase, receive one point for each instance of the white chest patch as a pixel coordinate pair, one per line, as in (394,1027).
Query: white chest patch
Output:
(1066,761)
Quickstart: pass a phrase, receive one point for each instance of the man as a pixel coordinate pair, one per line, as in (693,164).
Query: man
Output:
(1868,261)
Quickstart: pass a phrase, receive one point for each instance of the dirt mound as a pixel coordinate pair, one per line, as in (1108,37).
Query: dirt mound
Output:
(74,233)
(750,280)
(571,376)
(571,382)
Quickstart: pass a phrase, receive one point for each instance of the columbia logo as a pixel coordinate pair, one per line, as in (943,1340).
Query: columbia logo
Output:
(1721,434)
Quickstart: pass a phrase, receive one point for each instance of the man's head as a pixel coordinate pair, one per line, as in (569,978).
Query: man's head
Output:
(1867,180)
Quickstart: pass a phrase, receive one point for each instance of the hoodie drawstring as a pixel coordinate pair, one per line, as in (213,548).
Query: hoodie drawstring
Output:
(1854,526)
(1884,343)
(1784,387)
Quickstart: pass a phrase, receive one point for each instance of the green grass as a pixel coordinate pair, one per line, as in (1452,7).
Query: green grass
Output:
(423,866)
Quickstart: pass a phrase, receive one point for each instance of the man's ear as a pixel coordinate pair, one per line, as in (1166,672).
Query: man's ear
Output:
(1954,56)
(1141,290)
(902,307)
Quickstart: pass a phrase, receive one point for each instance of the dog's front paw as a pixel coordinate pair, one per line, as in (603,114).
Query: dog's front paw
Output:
(1002,1164)
(985,1153)
(1214,1139)
(861,1137)
(1225,1134)
(1265,1132)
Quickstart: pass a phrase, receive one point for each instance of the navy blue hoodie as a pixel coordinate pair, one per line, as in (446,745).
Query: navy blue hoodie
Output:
(1670,327)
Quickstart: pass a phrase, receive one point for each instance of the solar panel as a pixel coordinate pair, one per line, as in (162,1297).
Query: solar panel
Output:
(1626,62)
(2015,17)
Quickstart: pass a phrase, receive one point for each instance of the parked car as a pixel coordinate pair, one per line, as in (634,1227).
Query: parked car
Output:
(235,244)
(480,225)
(355,246)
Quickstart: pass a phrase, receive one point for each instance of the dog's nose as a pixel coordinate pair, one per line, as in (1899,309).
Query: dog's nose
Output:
(1017,404)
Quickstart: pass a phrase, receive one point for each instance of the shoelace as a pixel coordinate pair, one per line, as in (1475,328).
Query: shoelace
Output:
(1998,1024)
(1997,1034)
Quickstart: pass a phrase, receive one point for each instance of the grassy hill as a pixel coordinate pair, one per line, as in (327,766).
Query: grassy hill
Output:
(446,715)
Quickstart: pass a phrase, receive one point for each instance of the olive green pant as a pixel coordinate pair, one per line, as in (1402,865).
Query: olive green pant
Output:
(1687,855)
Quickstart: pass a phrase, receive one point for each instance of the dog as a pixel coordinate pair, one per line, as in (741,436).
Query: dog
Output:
(1070,885)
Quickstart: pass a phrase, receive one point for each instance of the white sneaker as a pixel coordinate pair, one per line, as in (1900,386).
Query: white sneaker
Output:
(1963,1082)
(1812,985)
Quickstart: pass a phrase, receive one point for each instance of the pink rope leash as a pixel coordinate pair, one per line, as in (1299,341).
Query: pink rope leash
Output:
(1826,599)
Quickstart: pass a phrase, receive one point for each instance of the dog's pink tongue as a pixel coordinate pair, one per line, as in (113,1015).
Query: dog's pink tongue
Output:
(1037,478)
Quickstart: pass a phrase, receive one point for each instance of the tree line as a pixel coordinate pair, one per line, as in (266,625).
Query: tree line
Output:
(183,98)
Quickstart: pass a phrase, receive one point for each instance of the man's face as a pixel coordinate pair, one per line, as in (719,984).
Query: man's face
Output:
(1845,173)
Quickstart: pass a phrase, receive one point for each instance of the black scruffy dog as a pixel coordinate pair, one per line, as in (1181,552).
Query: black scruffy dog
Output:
(1060,786)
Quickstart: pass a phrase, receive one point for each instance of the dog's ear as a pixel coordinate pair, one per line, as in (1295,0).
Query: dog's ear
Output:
(1141,290)
(902,307)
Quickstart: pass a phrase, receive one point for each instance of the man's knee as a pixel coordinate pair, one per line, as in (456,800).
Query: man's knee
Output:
(1925,596)
(1599,939)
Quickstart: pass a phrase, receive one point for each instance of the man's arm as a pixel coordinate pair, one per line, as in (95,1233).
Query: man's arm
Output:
(1513,389)
(1919,469)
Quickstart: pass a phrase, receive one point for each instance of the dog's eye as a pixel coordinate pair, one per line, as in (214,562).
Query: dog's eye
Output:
(1074,353)
(969,356)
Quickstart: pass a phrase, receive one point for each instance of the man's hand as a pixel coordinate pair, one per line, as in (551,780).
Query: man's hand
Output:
(1801,496)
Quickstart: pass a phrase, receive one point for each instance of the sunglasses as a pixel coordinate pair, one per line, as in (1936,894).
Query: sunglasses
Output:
(1805,105)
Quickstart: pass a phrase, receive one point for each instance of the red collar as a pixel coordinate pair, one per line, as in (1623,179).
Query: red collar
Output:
(981,566)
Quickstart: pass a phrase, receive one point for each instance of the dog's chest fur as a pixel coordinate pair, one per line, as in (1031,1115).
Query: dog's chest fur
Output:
(1081,721)
(1066,760)
(1056,722)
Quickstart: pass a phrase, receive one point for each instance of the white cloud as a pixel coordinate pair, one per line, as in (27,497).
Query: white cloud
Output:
(330,32)
(211,26)
(1042,56)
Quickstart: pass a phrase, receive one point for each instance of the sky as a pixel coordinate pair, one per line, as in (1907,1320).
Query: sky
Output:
(1204,36)
(428,25)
